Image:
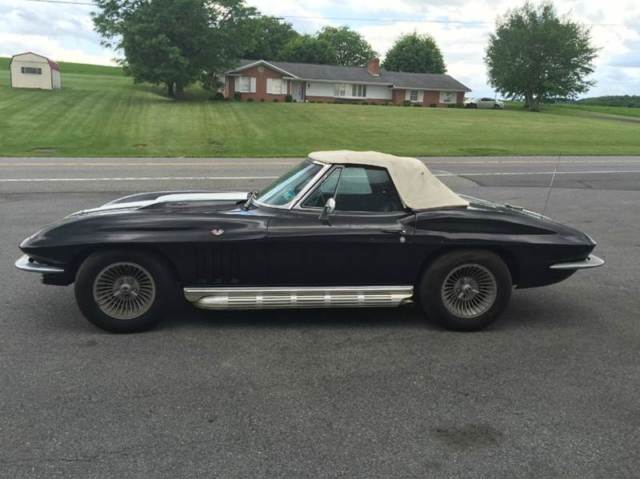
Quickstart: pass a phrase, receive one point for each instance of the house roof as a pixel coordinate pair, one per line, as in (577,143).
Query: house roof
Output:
(314,71)
(418,188)
(51,63)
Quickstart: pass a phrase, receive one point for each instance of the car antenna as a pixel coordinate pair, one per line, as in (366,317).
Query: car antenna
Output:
(553,177)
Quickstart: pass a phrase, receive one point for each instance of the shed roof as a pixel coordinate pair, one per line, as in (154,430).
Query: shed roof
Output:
(51,63)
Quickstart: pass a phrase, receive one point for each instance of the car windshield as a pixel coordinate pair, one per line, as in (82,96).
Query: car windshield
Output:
(287,187)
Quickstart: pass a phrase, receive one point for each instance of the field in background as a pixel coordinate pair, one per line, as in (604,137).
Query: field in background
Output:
(585,109)
(99,112)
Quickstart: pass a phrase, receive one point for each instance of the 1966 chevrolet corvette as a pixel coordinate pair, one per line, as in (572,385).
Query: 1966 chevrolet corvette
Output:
(341,229)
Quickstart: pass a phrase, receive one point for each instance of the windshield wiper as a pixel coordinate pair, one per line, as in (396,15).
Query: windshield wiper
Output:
(250,197)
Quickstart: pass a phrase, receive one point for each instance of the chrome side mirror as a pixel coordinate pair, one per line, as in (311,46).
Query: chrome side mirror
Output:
(329,207)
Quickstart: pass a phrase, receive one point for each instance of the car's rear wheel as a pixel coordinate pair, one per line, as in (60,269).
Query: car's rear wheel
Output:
(124,291)
(465,290)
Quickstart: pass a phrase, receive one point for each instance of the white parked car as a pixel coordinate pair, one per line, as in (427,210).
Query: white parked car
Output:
(484,103)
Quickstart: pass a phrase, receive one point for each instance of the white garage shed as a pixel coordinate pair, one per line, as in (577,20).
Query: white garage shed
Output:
(30,70)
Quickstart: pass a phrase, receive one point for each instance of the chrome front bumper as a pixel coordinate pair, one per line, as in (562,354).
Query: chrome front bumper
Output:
(24,263)
(591,261)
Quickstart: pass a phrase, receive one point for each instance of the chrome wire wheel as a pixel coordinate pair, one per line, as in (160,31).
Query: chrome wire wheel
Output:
(124,290)
(468,291)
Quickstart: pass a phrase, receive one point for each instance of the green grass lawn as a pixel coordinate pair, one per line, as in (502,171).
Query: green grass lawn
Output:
(99,112)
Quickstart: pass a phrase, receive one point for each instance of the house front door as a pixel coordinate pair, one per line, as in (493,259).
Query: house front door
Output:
(297,90)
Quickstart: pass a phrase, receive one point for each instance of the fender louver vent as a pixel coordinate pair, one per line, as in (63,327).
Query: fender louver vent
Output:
(219,265)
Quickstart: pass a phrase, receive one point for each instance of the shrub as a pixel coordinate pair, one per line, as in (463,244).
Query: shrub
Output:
(237,96)
(407,103)
(250,99)
(453,105)
(434,105)
(275,100)
(417,104)
(217,97)
(288,99)
(261,100)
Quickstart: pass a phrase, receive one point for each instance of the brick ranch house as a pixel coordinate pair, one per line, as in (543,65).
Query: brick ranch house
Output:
(263,80)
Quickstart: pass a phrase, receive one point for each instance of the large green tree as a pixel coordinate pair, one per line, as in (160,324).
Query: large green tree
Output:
(173,42)
(351,49)
(415,53)
(309,49)
(534,54)
(268,38)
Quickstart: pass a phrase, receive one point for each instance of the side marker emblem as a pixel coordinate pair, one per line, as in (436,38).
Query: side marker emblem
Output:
(217,231)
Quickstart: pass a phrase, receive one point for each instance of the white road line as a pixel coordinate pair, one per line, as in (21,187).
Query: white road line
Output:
(61,164)
(526,173)
(143,178)
(245,178)
(565,161)
(284,162)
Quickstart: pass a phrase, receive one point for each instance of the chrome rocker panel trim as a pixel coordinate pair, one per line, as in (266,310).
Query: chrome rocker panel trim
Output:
(591,261)
(25,264)
(299,297)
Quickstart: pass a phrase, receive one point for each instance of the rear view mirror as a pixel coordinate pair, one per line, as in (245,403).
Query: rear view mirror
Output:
(329,208)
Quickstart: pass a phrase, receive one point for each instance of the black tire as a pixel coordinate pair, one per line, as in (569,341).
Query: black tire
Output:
(154,305)
(440,301)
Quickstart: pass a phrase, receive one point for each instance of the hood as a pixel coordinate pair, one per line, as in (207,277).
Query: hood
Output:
(164,198)
(149,218)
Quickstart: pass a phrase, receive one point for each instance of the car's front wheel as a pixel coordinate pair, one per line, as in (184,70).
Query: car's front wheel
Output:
(124,291)
(465,290)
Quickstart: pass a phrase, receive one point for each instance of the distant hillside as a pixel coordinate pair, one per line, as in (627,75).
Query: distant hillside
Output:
(631,101)
(101,112)
(79,68)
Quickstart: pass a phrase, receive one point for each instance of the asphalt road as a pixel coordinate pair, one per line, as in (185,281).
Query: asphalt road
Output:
(551,390)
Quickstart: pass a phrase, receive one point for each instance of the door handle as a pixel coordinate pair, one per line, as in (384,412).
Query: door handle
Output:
(396,231)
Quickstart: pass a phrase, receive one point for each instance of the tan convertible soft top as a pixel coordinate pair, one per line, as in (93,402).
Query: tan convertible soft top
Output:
(418,188)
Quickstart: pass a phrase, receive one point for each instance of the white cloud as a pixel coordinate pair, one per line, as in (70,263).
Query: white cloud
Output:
(61,32)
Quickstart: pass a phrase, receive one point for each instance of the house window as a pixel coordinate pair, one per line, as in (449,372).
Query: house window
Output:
(359,90)
(413,95)
(276,86)
(31,70)
(448,97)
(340,89)
(245,84)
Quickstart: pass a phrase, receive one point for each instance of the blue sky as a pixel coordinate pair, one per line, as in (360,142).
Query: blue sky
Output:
(65,32)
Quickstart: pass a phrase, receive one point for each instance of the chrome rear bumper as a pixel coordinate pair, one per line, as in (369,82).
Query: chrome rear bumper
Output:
(25,263)
(591,261)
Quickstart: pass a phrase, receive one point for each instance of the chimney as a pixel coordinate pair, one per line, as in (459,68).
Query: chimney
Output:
(373,67)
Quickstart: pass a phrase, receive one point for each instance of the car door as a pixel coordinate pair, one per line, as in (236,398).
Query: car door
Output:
(363,242)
